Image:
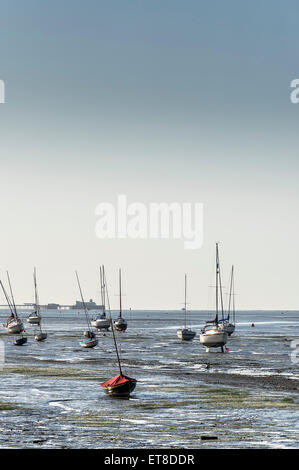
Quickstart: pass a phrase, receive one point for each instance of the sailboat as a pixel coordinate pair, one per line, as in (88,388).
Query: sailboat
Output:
(213,334)
(101,321)
(120,385)
(14,324)
(91,340)
(229,326)
(34,318)
(185,333)
(39,335)
(120,324)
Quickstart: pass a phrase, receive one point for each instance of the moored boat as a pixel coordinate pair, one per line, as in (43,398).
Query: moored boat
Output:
(185,334)
(120,324)
(88,343)
(20,341)
(213,337)
(39,335)
(213,334)
(100,321)
(120,385)
(14,324)
(91,340)
(34,318)
(230,326)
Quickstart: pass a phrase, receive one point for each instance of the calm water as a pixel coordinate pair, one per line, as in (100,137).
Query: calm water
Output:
(50,395)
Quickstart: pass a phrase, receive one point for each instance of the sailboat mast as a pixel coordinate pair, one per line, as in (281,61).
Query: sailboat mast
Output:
(115,345)
(104,288)
(12,297)
(185,300)
(120,306)
(233,294)
(84,305)
(35,292)
(111,324)
(220,284)
(230,292)
(7,299)
(217,270)
(37,305)
(101,283)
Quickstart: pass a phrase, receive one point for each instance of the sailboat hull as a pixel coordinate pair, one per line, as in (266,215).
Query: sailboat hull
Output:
(101,323)
(123,389)
(40,337)
(186,334)
(120,324)
(15,327)
(33,320)
(89,343)
(20,341)
(213,339)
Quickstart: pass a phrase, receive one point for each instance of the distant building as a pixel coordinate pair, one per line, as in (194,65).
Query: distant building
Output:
(53,306)
(91,305)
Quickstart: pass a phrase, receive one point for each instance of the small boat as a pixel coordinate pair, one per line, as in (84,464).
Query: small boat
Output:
(229,326)
(34,318)
(90,341)
(213,334)
(120,324)
(39,335)
(213,337)
(14,324)
(120,385)
(185,334)
(20,341)
(101,321)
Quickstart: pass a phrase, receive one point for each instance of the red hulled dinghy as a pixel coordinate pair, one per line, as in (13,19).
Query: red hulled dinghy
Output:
(120,385)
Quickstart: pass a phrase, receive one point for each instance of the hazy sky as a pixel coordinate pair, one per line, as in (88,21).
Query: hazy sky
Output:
(161,101)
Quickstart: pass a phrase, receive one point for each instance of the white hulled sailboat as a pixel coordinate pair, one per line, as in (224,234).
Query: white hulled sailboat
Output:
(213,335)
(120,324)
(14,324)
(39,335)
(229,323)
(101,321)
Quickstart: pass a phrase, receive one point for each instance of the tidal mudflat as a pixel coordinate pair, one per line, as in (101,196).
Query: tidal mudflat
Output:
(50,395)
